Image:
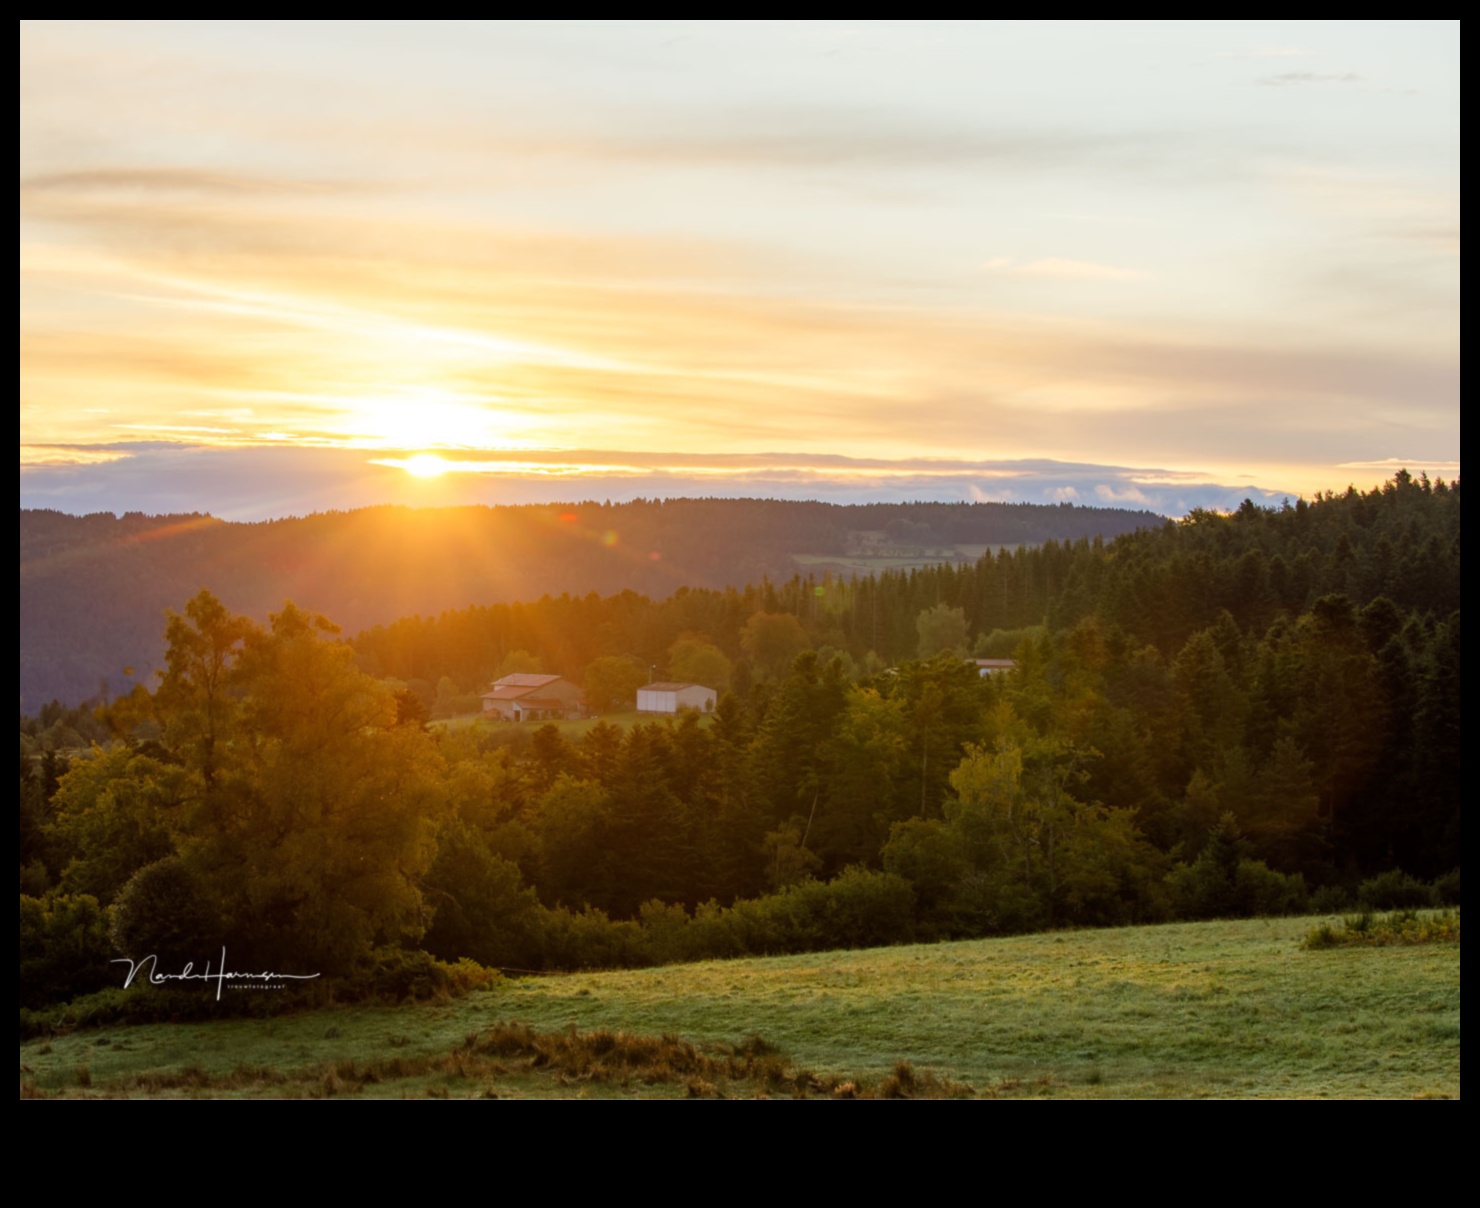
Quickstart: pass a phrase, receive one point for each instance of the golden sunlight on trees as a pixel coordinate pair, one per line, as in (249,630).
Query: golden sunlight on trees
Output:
(694,659)
(773,640)
(302,813)
(611,683)
(941,628)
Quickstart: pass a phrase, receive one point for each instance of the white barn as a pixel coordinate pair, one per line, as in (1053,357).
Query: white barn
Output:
(985,667)
(671,697)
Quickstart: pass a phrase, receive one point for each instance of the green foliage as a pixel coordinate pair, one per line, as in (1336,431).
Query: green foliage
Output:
(1004,643)
(116,811)
(1368,930)
(65,949)
(284,792)
(1224,883)
(483,910)
(773,640)
(694,659)
(163,911)
(942,629)
(611,683)
(856,909)
(1394,890)
(1328,899)
(519,662)
(1262,695)
(395,975)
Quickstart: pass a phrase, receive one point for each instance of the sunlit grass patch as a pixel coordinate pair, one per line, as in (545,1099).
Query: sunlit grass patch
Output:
(1194,1010)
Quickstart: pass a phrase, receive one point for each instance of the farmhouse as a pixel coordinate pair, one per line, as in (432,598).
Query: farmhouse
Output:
(994,666)
(526,697)
(671,697)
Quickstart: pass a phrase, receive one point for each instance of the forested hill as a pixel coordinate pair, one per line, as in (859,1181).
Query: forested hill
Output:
(93,588)
(1394,552)
(1234,714)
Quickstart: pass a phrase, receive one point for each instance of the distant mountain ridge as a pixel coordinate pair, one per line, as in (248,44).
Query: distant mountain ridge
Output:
(94,588)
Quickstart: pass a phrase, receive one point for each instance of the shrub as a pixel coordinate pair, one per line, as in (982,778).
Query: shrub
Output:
(64,949)
(1394,890)
(394,974)
(1372,931)
(589,939)
(162,911)
(1329,899)
(1262,891)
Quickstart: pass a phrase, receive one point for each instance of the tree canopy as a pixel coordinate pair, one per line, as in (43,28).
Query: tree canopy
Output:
(297,806)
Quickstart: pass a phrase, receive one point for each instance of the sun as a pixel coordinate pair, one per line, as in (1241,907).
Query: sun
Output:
(425,418)
(425,465)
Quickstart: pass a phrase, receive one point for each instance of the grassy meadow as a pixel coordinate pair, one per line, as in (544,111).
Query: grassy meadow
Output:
(1190,1010)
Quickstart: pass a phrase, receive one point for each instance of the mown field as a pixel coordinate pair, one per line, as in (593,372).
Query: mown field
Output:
(1193,1010)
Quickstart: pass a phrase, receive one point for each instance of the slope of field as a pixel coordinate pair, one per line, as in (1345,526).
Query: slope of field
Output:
(1225,1009)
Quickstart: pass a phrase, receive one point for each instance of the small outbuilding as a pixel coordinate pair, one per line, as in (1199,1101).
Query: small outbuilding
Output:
(528,697)
(672,697)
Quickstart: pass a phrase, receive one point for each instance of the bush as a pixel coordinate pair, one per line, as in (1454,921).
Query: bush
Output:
(395,974)
(856,909)
(1394,890)
(589,939)
(64,949)
(1262,891)
(162,911)
(1446,888)
(1367,930)
(1329,899)
(1206,890)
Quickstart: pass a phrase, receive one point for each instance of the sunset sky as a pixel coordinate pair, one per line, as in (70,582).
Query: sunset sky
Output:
(268,269)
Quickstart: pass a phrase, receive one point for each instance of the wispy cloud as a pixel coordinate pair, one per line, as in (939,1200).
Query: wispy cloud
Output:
(1110,494)
(1404,463)
(171,181)
(1267,52)
(229,482)
(1062,269)
(69,455)
(1286,78)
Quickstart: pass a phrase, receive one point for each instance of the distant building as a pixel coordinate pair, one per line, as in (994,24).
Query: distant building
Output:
(526,697)
(671,697)
(994,666)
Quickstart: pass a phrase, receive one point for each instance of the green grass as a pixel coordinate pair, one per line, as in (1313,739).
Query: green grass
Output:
(1225,1009)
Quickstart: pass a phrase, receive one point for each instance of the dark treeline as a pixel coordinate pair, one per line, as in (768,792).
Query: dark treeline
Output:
(1234,714)
(93,588)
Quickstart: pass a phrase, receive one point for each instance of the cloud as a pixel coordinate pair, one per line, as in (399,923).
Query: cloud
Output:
(1062,269)
(811,138)
(1122,495)
(1267,52)
(1404,463)
(174,181)
(1286,78)
(255,483)
(69,455)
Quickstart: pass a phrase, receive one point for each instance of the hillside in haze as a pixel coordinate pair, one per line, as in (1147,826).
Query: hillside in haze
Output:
(93,588)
